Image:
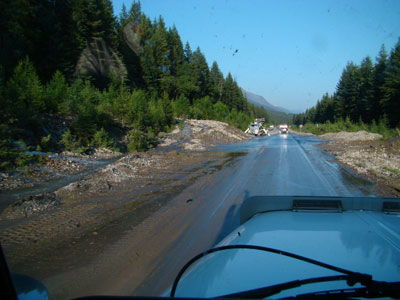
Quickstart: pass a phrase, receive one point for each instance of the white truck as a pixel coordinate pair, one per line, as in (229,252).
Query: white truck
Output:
(284,128)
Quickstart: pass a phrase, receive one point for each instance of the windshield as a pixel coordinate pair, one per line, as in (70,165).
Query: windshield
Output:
(133,132)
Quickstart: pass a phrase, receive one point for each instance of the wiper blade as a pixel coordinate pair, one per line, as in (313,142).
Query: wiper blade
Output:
(373,289)
(376,289)
(350,276)
(276,289)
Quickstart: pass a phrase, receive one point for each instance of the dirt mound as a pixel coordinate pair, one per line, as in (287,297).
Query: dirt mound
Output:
(361,135)
(31,205)
(197,135)
(378,160)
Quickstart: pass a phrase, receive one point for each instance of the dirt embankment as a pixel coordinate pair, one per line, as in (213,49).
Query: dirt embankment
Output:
(366,154)
(178,149)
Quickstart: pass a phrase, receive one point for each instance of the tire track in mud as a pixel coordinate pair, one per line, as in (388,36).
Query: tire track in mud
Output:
(73,234)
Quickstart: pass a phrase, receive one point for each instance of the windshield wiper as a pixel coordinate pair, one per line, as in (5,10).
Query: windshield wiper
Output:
(376,289)
(276,289)
(373,289)
(350,276)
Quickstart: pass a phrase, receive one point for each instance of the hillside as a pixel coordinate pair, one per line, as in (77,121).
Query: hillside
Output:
(261,101)
(119,83)
(278,114)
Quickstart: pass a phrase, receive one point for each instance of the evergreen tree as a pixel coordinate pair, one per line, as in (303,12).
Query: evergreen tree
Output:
(391,88)
(146,29)
(95,20)
(14,20)
(347,93)
(23,95)
(155,60)
(378,83)
(200,73)
(185,83)
(135,12)
(176,54)
(217,82)
(365,97)
(123,16)
(188,52)
(66,43)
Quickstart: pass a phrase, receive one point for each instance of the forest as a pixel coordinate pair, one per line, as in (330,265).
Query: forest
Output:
(73,76)
(367,97)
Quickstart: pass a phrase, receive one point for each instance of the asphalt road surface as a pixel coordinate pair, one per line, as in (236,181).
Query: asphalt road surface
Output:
(148,257)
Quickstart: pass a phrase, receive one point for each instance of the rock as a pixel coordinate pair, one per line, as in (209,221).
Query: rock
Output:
(132,39)
(98,61)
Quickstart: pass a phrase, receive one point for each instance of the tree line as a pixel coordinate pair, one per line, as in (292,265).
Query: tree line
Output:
(367,94)
(136,78)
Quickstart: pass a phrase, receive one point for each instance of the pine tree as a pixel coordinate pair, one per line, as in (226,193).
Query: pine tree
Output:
(347,93)
(200,73)
(188,52)
(365,97)
(217,82)
(135,12)
(123,16)
(378,83)
(176,54)
(185,83)
(155,60)
(23,94)
(95,20)
(391,88)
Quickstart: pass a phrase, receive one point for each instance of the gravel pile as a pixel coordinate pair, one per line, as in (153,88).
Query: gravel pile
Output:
(361,135)
(9,182)
(31,205)
(198,135)
(377,160)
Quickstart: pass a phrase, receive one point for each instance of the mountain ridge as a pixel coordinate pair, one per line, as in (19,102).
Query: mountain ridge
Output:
(261,101)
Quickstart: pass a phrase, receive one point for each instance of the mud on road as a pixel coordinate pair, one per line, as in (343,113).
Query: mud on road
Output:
(47,235)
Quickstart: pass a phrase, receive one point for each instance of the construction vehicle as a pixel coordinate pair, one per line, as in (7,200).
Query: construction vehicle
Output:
(256,128)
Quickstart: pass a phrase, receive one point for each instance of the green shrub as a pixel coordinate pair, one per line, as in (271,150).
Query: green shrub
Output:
(181,106)
(69,141)
(103,140)
(45,143)
(56,92)
(137,141)
(221,111)
(23,93)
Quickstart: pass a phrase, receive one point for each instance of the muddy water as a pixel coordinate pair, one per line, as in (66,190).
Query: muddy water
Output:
(136,240)
(57,181)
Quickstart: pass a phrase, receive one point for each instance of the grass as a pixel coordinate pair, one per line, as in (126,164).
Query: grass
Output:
(394,171)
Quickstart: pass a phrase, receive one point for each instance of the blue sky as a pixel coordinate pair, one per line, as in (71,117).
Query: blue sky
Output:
(290,52)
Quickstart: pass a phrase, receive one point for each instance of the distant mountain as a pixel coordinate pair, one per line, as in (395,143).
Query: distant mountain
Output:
(261,101)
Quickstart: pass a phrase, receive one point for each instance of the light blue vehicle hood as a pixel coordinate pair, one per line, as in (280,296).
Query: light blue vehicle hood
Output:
(365,241)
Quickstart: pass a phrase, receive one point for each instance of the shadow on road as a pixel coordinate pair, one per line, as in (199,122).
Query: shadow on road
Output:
(231,220)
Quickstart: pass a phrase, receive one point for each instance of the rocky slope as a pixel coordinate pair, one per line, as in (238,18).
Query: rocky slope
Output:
(367,155)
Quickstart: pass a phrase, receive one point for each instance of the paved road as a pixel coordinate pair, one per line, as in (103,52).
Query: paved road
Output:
(275,165)
(292,165)
(146,260)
